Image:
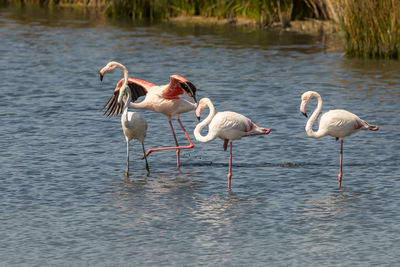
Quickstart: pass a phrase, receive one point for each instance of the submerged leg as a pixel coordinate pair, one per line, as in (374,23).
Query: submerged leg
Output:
(145,158)
(177,147)
(127,158)
(230,166)
(341,163)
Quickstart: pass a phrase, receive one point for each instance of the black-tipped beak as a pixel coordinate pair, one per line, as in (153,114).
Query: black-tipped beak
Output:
(305,114)
(101,77)
(198,118)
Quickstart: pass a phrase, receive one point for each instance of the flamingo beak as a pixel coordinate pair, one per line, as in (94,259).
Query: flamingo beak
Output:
(303,107)
(198,112)
(103,72)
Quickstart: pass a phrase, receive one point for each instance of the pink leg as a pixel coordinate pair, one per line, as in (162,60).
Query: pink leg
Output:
(341,163)
(177,147)
(225,145)
(230,166)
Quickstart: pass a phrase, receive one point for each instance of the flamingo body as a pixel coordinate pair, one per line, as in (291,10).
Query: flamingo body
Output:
(226,125)
(229,125)
(169,107)
(340,123)
(134,126)
(164,99)
(337,123)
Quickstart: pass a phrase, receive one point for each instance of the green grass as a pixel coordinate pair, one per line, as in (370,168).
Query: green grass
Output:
(263,12)
(372,28)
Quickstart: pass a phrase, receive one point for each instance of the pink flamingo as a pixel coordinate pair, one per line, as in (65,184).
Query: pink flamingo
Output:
(226,125)
(337,123)
(164,99)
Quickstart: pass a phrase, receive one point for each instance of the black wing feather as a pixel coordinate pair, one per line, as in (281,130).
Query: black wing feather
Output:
(136,91)
(113,108)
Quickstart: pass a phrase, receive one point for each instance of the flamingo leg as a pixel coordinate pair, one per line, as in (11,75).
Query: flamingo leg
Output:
(127,159)
(176,143)
(177,147)
(341,163)
(147,164)
(225,145)
(230,166)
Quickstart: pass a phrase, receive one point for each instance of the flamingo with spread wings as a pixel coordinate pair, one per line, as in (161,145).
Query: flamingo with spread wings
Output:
(164,99)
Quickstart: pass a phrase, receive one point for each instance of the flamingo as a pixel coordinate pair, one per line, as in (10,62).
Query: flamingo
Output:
(134,125)
(226,125)
(337,123)
(164,99)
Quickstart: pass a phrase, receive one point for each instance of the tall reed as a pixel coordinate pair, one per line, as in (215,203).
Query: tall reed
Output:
(372,28)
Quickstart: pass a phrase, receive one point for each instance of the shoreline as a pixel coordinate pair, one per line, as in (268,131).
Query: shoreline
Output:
(310,26)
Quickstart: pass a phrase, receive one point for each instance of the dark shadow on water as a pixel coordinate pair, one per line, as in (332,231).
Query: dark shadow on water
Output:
(268,164)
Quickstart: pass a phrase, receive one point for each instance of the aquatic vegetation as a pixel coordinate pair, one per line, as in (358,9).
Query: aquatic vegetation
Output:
(263,12)
(372,28)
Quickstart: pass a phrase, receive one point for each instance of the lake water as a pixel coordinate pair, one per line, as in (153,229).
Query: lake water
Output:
(64,197)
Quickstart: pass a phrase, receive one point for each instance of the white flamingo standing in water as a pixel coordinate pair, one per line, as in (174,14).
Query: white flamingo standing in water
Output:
(164,99)
(226,125)
(338,123)
(133,124)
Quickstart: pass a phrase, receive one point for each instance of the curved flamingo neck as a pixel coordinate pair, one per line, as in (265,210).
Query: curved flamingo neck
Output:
(314,115)
(197,131)
(128,100)
(125,70)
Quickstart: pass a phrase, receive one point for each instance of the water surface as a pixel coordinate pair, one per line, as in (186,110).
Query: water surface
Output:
(65,200)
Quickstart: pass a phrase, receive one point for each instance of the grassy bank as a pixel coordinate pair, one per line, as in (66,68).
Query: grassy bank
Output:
(371,28)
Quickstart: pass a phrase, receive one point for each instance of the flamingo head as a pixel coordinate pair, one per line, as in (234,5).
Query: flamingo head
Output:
(305,98)
(112,65)
(203,104)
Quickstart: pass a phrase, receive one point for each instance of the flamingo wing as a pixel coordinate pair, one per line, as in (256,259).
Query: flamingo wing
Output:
(138,88)
(179,85)
(340,123)
(231,125)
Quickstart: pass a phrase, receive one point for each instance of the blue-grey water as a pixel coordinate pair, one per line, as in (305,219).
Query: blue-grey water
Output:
(64,197)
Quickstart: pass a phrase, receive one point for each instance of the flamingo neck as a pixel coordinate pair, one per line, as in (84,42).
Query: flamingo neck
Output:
(125,70)
(197,131)
(128,100)
(314,115)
